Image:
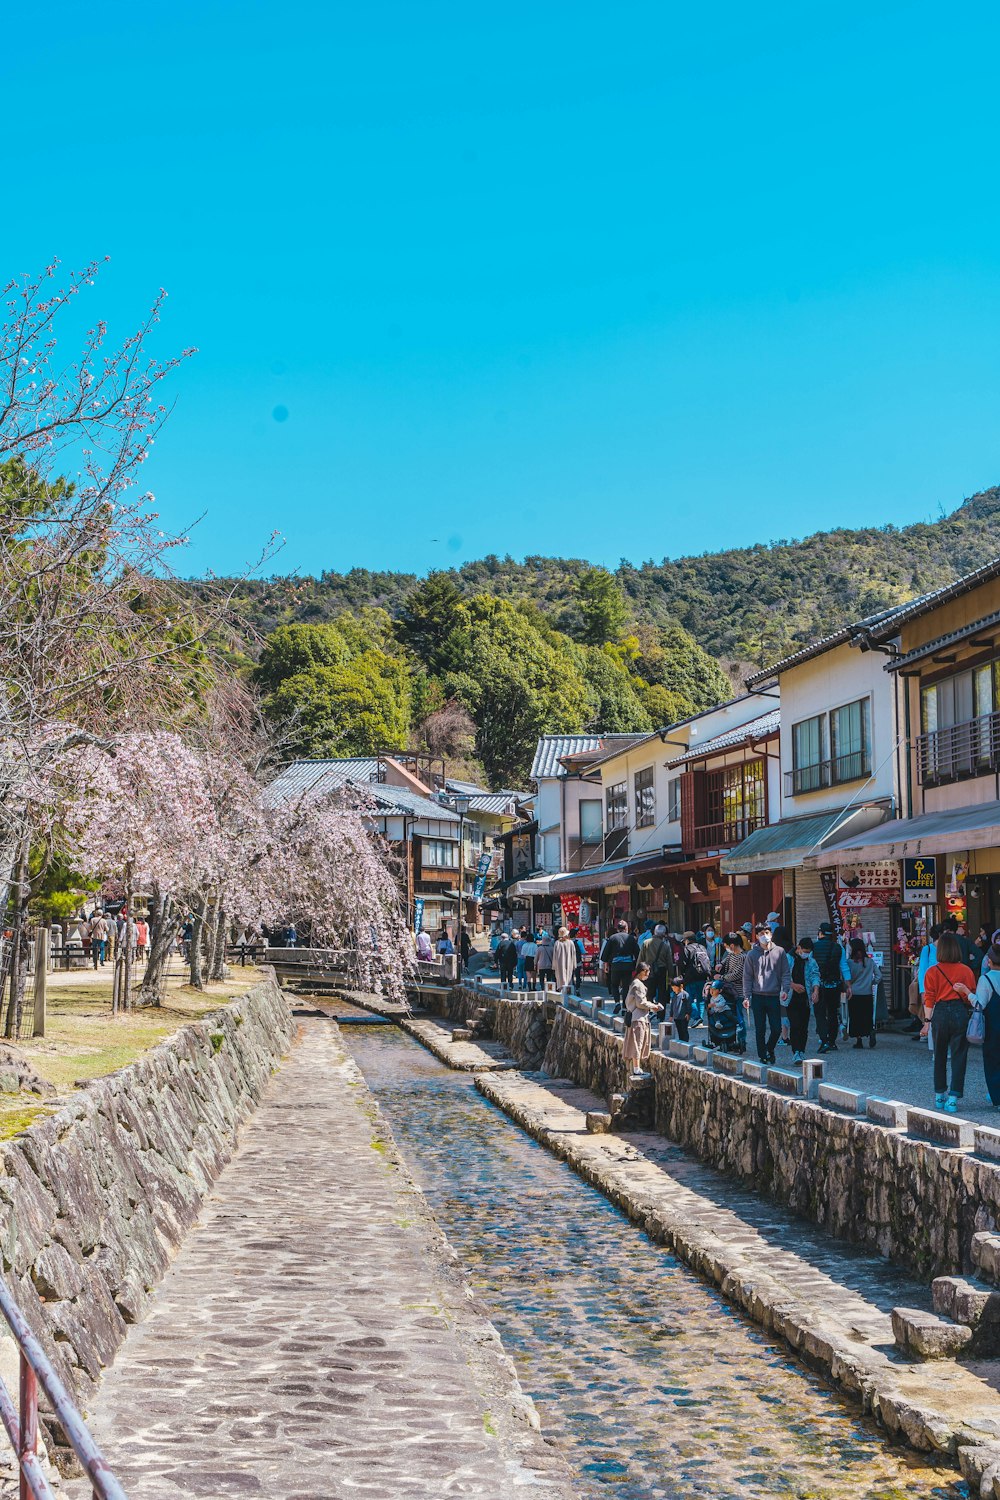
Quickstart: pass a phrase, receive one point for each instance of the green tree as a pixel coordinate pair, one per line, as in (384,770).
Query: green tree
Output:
(515,683)
(671,658)
(295,649)
(428,620)
(602,604)
(663,705)
(354,708)
(617,705)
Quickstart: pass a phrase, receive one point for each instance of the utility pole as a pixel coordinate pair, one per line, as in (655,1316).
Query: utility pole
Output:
(41,972)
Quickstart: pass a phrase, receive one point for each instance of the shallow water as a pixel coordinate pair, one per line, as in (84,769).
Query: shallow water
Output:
(646,1378)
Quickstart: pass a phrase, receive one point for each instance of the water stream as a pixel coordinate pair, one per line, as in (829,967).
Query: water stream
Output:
(650,1383)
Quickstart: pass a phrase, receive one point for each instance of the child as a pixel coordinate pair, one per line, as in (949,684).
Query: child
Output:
(680,1007)
(721,1017)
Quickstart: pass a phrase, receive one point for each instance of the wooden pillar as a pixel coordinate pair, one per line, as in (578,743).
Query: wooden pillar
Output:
(41,975)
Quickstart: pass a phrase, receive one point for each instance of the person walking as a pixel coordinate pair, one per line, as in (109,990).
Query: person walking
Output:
(141,939)
(98,939)
(529,955)
(695,971)
(805,979)
(834,975)
(780,932)
(638,1033)
(731,973)
(465,946)
(581,958)
(425,948)
(564,960)
(948,990)
(988,1000)
(520,938)
(506,958)
(713,947)
(767,979)
(619,956)
(543,958)
(865,975)
(657,953)
(972,956)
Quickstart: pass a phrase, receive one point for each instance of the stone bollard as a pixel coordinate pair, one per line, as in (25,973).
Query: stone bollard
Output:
(598,1122)
(812,1076)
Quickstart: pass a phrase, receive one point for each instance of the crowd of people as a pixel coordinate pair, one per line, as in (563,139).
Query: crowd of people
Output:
(535,959)
(103,935)
(761,977)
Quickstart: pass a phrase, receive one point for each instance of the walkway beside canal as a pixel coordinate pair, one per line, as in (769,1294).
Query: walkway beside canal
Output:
(314,1338)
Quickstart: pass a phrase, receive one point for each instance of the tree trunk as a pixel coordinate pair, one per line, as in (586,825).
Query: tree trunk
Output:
(218,968)
(163,928)
(129,946)
(18,964)
(197,926)
(211,935)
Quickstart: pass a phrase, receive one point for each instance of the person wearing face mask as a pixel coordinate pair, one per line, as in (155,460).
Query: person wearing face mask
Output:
(780,932)
(767,982)
(713,947)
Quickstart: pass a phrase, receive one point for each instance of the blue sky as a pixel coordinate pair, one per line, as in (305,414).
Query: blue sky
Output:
(594,280)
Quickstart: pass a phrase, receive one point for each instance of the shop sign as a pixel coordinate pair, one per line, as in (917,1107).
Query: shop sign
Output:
(920,879)
(418,913)
(482,871)
(878,877)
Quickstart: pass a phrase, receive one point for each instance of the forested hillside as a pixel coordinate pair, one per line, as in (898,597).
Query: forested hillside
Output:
(747,603)
(476,662)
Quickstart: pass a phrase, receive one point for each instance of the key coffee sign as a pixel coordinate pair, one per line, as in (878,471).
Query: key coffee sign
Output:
(920,879)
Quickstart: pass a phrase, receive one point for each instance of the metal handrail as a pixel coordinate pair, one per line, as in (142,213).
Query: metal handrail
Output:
(971,748)
(21,1422)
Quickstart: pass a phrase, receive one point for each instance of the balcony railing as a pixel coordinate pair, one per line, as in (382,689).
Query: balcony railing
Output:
(724,835)
(968,749)
(852,767)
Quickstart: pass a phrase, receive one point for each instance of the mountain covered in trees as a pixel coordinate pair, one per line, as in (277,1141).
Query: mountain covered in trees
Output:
(474,662)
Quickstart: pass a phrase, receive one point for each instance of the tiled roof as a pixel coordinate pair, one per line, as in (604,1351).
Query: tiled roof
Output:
(938,596)
(328,775)
(757,729)
(305,775)
(552,747)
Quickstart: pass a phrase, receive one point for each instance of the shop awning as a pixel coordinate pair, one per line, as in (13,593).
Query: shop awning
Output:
(594,879)
(786,845)
(947,832)
(531,885)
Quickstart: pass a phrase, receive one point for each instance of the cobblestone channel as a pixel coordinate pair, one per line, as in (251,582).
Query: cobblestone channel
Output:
(651,1384)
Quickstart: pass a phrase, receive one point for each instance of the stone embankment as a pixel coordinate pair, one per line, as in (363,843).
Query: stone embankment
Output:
(96,1198)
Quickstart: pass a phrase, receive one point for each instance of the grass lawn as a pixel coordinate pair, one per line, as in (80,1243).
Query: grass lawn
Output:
(84,1041)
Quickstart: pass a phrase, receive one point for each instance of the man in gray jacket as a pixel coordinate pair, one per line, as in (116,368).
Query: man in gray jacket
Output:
(767,980)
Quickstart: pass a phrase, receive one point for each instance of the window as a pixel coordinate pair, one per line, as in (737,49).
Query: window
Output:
(674,800)
(439,854)
(850,741)
(591,822)
(618,806)
(645,798)
(808,743)
(830,748)
(735,801)
(960,725)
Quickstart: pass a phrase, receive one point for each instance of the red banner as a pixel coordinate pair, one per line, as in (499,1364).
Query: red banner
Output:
(570,910)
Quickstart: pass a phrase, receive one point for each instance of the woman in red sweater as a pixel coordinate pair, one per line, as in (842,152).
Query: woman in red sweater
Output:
(948,990)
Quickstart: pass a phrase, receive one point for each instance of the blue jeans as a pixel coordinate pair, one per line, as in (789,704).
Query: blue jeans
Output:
(97,950)
(766,1016)
(694,989)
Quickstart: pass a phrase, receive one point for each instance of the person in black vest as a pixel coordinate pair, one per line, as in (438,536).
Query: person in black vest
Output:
(834,976)
(619,956)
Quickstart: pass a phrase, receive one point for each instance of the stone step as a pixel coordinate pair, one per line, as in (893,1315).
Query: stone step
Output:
(461,1034)
(966,1300)
(985,1251)
(927,1335)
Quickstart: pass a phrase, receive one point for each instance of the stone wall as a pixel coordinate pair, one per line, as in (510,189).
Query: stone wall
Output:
(95,1199)
(520,1025)
(917,1203)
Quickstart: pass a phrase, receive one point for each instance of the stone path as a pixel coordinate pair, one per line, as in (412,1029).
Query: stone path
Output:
(314,1339)
(828,1300)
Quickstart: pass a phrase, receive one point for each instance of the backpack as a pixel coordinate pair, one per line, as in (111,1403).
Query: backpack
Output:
(696,960)
(829,968)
